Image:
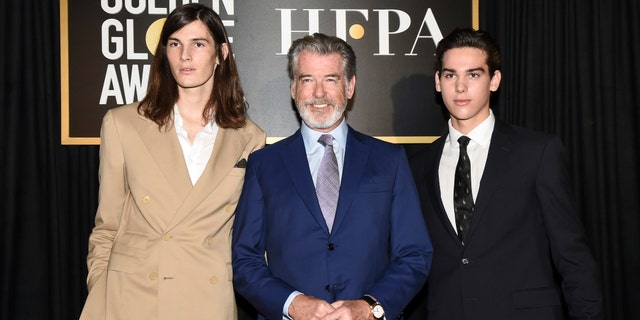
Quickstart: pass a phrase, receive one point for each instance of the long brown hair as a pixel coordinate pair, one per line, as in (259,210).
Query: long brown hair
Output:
(226,104)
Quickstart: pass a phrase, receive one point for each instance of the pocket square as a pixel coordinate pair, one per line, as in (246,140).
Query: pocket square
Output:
(241,164)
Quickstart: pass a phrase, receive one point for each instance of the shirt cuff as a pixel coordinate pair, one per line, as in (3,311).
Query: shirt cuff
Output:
(285,309)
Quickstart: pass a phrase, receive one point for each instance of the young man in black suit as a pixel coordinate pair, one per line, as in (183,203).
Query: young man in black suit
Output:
(508,242)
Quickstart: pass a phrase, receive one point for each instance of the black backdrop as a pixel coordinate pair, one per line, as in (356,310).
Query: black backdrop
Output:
(570,68)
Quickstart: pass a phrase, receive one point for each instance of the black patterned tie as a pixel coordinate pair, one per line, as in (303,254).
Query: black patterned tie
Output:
(462,197)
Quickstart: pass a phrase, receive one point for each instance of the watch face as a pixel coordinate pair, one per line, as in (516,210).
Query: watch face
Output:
(378,312)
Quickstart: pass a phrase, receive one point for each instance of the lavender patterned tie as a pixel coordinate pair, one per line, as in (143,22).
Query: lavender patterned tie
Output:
(328,181)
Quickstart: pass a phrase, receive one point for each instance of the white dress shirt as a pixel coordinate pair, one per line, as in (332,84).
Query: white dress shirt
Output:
(478,150)
(196,155)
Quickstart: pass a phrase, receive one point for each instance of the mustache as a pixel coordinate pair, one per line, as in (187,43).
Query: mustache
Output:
(319,101)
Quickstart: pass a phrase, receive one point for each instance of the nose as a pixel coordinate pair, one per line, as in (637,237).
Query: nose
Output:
(461,85)
(319,91)
(185,55)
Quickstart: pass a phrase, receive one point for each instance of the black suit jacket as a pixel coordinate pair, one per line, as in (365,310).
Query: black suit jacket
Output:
(526,255)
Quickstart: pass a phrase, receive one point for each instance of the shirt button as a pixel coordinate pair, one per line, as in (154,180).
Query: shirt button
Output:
(166,236)
(146,199)
(153,276)
(228,208)
(465,261)
(209,240)
(213,280)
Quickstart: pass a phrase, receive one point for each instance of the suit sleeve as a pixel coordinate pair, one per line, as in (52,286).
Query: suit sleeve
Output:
(112,194)
(251,276)
(411,249)
(571,254)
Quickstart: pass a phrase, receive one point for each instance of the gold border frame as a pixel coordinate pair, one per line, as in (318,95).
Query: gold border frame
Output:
(64,87)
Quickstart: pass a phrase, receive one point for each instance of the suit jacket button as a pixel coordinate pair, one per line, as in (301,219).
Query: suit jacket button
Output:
(146,199)
(153,276)
(166,236)
(328,288)
(228,208)
(213,280)
(465,261)
(332,246)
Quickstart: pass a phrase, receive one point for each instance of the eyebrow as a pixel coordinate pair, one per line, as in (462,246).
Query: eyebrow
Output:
(192,39)
(467,71)
(331,75)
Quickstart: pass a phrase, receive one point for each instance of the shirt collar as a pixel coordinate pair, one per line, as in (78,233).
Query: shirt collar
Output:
(311,136)
(480,134)
(179,122)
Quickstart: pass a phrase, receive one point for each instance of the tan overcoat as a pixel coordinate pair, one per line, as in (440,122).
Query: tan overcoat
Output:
(161,246)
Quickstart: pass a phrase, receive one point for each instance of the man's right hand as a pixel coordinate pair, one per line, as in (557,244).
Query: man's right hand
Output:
(306,307)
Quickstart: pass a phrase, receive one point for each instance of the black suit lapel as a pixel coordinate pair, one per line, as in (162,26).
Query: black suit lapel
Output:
(502,144)
(435,193)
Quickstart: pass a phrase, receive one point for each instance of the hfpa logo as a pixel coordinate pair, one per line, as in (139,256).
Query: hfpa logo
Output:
(429,28)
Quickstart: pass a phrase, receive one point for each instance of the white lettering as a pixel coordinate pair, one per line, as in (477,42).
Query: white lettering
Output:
(404,21)
(116,41)
(117,6)
(110,86)
(131,54)
(286,31)
(432,25)
(134,84)
(142,5)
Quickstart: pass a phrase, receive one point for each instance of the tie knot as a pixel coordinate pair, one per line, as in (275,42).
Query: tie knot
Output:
(463,141)
(326,140)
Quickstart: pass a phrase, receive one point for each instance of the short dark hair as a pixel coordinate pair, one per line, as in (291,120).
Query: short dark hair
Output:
(467,37)
(322,44)
(226,105)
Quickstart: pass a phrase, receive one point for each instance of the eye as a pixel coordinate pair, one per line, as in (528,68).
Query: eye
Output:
(449,75)
(199,44)
(173,44)
(474,75)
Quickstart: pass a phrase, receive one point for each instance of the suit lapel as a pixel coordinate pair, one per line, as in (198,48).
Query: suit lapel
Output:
(166,154)
(492,177)
(435,191)
(355,162)
(297,165)
(227,149)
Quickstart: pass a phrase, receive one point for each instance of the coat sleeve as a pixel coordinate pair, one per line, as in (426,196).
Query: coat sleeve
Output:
(411,249)
(111,199)
(251,276)
(571,254)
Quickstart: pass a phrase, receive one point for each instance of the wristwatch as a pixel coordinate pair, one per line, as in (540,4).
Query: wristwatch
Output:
(376,307)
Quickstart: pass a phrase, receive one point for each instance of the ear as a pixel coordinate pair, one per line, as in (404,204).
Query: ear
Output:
(495,81)
(225,52)
(437,78)
(292,87)
(352,87)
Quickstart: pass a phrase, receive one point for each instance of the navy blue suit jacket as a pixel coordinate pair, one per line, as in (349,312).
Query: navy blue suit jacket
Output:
(379,244)
(526,254)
